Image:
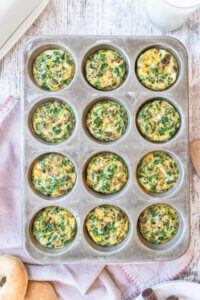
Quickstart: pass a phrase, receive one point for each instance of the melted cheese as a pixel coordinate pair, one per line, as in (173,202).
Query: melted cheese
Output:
(107,225)
(105,70)
(158,223)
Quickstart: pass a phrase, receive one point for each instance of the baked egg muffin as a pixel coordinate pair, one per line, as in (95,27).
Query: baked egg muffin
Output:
(157,69)
(53,175)
(54,227)
(53,121)
(106,173)
(158,223)
(53,69)
(158,120)
(107,121)
(105,70)
(107,225)
(157,172)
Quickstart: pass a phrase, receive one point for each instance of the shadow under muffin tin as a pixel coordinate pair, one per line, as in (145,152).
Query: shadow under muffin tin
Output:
(79,146)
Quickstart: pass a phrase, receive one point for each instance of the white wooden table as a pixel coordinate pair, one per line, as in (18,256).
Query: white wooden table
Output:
(117,17)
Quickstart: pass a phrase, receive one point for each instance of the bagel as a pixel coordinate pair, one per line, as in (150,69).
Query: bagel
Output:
(13,278)
(40,290)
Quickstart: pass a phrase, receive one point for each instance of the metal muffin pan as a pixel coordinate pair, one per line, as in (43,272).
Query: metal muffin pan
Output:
(80,147)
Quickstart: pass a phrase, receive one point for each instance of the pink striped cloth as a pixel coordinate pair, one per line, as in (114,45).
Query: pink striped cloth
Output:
(70,281)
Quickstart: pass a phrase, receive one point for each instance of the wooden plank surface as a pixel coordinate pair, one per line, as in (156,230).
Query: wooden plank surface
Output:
(121,17)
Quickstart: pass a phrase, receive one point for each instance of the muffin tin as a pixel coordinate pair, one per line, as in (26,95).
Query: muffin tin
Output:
(80,147)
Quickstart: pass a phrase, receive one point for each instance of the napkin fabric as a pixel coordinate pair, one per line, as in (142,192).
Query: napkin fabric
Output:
(112,282)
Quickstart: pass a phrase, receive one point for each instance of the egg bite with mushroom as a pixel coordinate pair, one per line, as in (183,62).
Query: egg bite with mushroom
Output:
(158,223)
(157,172)
(106,173)
(158,120)
(53,121)
(53,175)
(107,225)
(157,69)
(105,69)
(107,120)
(53,69)
(54,227)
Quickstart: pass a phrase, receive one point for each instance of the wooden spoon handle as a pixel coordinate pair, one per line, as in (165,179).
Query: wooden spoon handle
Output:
(195,155)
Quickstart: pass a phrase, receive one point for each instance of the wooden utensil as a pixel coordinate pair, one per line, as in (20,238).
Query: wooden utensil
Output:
(195,155)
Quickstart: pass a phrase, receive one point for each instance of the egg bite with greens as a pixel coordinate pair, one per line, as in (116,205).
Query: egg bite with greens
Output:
(106,69)
(53,121)
(106,173)
(107,225)
(53,175)
(158,223)
(54,227)
(157,172)
(158,120)
(53,69)
(107,120)
(157,69)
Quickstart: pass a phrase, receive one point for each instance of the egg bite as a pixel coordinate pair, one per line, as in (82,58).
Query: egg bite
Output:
(158,120)
(106,173)
(53,121)
(54,227)
(107,225)
(157,69)
(106,70)
(53,175)
(107,120)
(158,223)
(53,69)
(157,172)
